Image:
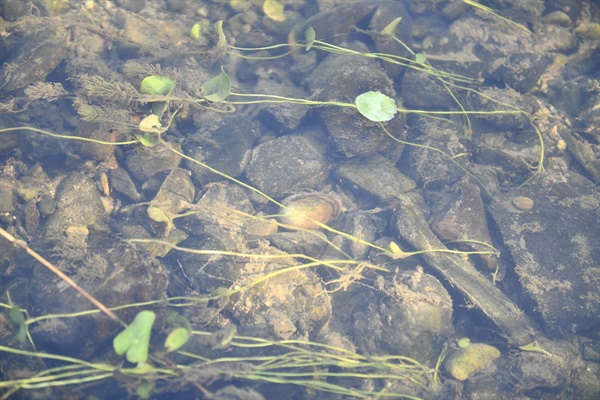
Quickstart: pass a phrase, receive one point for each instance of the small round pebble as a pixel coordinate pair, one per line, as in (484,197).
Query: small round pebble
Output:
(523,203)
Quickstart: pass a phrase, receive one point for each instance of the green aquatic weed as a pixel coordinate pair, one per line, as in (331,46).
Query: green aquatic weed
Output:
(376,106)
(135,339)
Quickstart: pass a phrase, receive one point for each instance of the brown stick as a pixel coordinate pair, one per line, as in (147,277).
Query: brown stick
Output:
(47,264)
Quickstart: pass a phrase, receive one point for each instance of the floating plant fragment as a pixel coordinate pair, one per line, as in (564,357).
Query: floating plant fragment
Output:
(309,36)
(218,88)
(376,106)
(150,124)
(195,32)
(274,10)
(222,38)
(135,339)
(391,27)
(156,84)
(152,129)
(16,317)
(176,339)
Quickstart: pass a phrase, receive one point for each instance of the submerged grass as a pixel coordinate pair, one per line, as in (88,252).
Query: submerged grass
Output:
(299,363)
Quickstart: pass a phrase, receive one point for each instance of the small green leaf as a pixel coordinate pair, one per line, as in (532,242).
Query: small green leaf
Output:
(201,32)
(162,224)
(463,343)
(16,317)
(135,339)
(274,10)
(309,36)
(391,27)
(157,214)
(148,139)
(222,38)
(155,84)
(534,347)
(176,339)
(218,88)
(159,108)
(421,58)
(195,32)
(394,248)
(221,339)
(376,106)
(143,389)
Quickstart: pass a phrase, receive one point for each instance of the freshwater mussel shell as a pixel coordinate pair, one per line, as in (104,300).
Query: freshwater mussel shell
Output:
(304,210)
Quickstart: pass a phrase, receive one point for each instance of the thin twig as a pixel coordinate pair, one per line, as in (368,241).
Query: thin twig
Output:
(47,264)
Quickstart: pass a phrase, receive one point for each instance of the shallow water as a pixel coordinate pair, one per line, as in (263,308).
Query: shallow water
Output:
(351,309)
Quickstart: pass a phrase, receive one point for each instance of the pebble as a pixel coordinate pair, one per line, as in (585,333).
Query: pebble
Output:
(523,203)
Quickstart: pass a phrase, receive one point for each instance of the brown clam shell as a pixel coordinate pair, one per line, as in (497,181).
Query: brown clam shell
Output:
(304,210)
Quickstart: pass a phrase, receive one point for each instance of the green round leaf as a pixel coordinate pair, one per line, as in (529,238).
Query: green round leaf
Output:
(376,106)
(155,84)
(421,58)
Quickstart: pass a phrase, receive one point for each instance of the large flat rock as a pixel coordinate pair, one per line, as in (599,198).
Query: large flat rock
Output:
(556,249)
